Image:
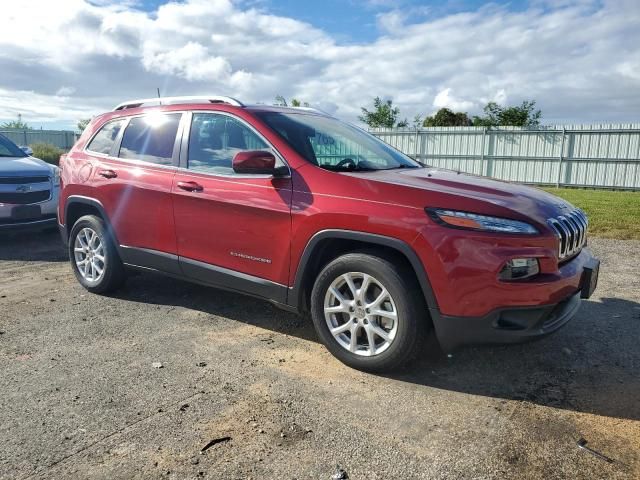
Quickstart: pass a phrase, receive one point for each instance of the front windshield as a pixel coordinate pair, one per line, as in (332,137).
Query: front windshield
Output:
(335,145)
(9,149)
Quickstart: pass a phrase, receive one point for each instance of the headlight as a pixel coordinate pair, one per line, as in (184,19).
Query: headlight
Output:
(474,221)
(56,176)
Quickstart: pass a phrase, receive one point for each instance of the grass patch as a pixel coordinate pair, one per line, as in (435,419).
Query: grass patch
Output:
(612,214)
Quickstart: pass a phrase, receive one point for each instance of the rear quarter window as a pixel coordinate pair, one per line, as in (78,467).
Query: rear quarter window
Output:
(103,141)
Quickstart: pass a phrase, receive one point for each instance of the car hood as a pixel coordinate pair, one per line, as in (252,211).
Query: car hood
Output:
(526,201)
(23,166)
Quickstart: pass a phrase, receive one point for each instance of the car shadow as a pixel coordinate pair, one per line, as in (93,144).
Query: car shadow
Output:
(161,290)
(588,366)
(32,246)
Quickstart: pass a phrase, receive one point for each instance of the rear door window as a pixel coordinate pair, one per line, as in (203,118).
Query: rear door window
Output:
(151,138)
(105,138)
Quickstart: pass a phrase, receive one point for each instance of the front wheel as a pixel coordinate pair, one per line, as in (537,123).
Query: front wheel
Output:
(369,312)
(94,257)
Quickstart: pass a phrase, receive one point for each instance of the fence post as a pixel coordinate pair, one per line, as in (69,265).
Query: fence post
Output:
(484,131)
(416,146)
(423,145)
(560,159)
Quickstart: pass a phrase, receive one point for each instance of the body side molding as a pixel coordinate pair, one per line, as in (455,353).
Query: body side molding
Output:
(233,280)
(154,259)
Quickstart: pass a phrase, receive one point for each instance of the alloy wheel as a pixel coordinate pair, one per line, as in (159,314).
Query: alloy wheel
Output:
(361,314)
(89,254)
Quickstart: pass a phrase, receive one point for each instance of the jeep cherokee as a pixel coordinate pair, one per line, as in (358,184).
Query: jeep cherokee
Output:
(315,215)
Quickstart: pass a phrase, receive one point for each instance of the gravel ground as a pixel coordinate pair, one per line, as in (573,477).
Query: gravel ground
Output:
(80,396)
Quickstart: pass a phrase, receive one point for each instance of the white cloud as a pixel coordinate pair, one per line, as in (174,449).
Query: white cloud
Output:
(192,62)
(580,60)
(65,91)
(445,99)
(391,21)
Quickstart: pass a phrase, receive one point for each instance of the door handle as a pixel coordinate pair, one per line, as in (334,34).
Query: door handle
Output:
(190,186)
(107,173)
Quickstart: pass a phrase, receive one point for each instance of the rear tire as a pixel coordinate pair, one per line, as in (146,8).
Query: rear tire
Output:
(369,312)
(94,257)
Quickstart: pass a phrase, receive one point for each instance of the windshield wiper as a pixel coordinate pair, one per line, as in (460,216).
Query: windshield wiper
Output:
(335,168)
(402,166)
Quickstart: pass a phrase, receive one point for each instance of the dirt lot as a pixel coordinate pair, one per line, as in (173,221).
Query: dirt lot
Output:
(79,396)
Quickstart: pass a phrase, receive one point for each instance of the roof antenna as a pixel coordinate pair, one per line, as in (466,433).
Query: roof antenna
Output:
(158,90)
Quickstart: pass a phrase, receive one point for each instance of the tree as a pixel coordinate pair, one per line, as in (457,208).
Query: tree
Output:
(417,121)
(82,124)
(18,124)
(384,114)
(524,115)
(282,102)
(297,103)
(447,118)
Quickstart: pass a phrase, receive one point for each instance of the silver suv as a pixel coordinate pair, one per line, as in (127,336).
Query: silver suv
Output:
(29,189)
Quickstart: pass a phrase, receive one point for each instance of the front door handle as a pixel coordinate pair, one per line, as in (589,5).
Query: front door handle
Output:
(190,186)
(107,173)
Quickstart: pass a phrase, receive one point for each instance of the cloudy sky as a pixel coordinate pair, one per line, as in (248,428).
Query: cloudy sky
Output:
(68,59)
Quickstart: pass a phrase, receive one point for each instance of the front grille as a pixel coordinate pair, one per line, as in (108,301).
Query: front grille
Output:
(21,180)
(571,230)
(19,198)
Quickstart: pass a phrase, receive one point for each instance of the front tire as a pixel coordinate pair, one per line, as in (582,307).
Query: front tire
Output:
(369,312)
(94,257)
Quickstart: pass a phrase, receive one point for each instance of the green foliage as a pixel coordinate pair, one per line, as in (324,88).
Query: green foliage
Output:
(384,114)
(82,124)
(524,115)
(611,214)
(47,152)
(447,118)
(282,102)
(17,124)
(417,121)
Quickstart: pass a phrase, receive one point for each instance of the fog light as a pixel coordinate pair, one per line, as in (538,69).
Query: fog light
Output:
(519,268)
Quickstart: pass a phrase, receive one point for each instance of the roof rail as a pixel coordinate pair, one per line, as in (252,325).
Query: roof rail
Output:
(311,109)
(146,102)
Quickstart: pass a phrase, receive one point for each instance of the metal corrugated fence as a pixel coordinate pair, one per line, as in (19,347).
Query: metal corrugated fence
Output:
(63,139)
(603,156)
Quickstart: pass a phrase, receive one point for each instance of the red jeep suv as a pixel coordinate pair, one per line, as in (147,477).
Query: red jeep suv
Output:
(315,215)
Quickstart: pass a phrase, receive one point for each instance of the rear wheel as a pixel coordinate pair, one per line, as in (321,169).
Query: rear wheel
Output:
(369,312)
(94,257)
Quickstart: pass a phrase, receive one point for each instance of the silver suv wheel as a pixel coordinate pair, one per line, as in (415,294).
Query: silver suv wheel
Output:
(89,255)
(361,314)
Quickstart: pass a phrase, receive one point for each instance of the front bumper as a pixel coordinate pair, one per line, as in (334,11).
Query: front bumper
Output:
(46,219)
(515,325)
(506,325)
(39,224)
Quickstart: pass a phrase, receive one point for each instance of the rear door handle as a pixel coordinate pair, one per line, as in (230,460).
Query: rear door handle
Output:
(190,186)
(107,173)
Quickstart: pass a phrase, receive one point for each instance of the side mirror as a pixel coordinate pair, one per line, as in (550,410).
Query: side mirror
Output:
(254,161)
(27,150)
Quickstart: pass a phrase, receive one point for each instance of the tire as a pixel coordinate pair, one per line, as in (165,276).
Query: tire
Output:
(108,272)
(405,334)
